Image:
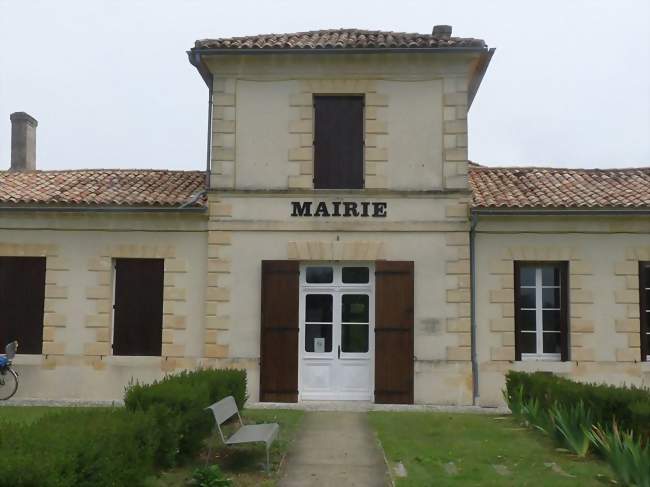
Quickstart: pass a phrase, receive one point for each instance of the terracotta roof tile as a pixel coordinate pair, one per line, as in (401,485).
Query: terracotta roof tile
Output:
(340,39)
(538,187)
(101,187)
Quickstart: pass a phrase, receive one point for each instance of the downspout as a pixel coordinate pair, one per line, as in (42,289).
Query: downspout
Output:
(472,278)
(208,156)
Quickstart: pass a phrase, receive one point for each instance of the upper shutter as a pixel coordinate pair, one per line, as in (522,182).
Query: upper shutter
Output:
(279,331)
(22,296)
(138,308)
(338,142)
(394,332)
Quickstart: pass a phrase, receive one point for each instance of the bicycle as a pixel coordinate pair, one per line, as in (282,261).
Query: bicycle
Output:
(8,376)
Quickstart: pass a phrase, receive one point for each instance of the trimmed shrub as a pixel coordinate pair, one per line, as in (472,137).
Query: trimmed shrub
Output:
(178,405)
(628,406)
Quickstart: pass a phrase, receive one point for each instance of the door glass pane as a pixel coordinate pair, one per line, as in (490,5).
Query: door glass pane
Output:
(318,307)
(526,276)
(318,338)
(551,320)
(529,342)
(552,343)
(355,308)
(527,297)
(550,276)
(551,297)
(354,338)
(356,275)
(319,275)
(528,320)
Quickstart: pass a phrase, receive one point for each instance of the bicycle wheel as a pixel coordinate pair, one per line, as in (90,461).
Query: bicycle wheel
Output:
(8,383)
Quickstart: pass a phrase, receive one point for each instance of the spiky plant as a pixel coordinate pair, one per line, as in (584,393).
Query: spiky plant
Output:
(573,424)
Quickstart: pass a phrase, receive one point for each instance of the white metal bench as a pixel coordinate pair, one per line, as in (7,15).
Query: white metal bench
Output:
(251,433)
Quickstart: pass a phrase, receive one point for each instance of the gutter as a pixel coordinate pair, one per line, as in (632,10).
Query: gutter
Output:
(105,209)
(472,312)
(327,50)
(560,211)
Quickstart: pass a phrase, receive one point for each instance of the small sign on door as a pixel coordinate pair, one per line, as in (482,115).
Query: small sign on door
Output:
(319,345)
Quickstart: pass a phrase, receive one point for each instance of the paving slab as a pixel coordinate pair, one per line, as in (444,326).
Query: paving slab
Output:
(335,449)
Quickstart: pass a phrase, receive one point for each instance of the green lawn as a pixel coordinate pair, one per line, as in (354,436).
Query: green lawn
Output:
(26,414)
(440,450)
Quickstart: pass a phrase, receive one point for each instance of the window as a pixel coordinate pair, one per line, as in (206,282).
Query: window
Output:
(22,296)
(541,311)
(138,307)
(644,300)
(338,142)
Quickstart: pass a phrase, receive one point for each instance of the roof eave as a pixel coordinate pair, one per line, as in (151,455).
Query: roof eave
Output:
(101,209)
(206,51)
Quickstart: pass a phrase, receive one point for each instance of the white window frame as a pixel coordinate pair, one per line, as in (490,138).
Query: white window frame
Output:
(539,315)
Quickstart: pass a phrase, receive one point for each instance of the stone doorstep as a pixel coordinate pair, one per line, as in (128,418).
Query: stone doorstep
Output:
(364,406)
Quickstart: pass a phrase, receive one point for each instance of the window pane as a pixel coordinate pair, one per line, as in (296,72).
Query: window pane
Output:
(528,343)
(646,270)
(354,338)
(552,343)
(314,337)
(355,275)
(550,275)
(318,308)
(527,298)
(355,308)
(528,321)
(551,320)
(526,276)
(319,275)
(551,297)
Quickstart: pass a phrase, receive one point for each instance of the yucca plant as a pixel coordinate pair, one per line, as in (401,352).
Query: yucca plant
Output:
(627,456)
(515,400)
(573,423)
(535,415)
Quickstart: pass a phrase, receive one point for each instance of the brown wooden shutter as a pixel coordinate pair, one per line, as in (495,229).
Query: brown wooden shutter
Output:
(516,291)
(138,308)
(22,295)
(338,142)
(394,332)
(644,303)
(564,311)
(279,331)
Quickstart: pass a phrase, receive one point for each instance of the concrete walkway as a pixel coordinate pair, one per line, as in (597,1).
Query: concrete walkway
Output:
(335,449)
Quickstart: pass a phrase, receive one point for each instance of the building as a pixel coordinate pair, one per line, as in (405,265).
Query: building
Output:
(340,246)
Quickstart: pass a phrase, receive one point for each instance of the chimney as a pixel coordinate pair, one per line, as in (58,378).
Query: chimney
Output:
(23,141)
(441,31)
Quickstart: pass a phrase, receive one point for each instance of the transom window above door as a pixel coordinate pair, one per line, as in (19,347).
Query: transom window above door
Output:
(335,275)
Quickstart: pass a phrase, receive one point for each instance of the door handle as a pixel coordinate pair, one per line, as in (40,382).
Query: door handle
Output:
(339,351)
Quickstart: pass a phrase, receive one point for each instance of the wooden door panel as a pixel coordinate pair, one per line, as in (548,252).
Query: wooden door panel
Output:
(394,332)
(279,331)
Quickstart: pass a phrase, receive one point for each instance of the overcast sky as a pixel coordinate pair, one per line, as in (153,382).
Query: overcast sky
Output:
(110,84)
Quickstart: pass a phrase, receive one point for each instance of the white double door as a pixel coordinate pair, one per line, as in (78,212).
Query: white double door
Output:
(336,332)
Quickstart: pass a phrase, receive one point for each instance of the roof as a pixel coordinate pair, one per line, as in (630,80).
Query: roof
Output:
(101,187)
(538,187)
(340,39)
(492,187)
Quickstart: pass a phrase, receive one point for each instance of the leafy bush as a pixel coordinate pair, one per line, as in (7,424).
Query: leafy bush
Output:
(573,423)
(80,448)
(211,476)
(629,406)
(178,405)
(628,458)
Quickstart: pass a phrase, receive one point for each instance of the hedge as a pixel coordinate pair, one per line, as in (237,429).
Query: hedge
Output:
(629,406)
(162,424)
(177,403)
